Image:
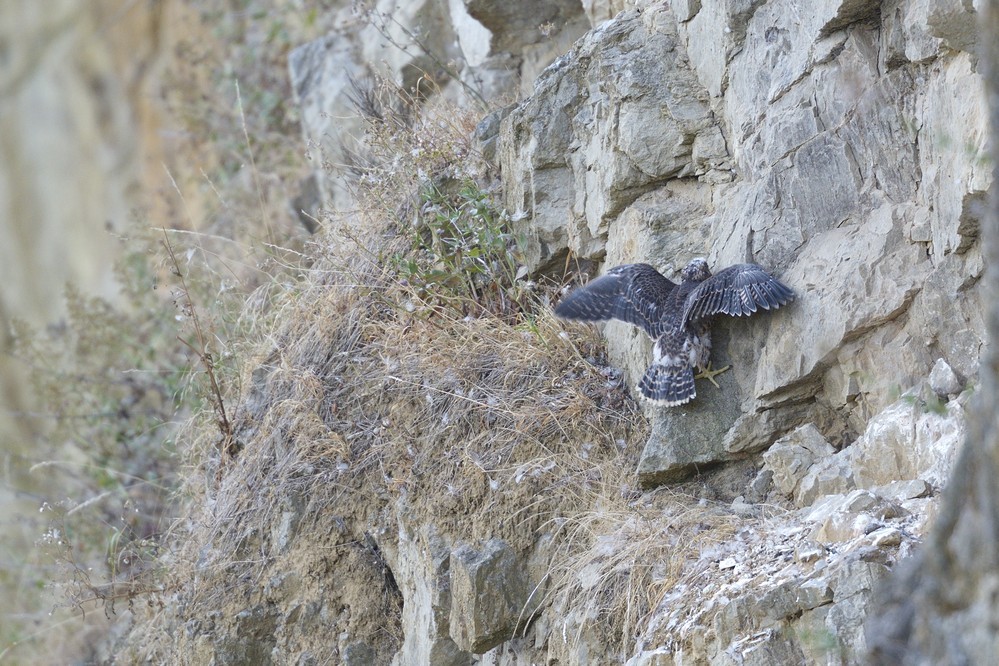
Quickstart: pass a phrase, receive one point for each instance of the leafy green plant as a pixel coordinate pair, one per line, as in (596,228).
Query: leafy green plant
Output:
(416,170)
(926,401)
(463,255)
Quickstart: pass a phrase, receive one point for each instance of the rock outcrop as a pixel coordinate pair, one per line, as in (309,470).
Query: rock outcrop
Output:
(466,50)
(841,148)
(808,146)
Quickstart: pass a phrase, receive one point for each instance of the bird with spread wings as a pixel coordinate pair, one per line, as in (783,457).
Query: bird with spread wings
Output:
(676,316)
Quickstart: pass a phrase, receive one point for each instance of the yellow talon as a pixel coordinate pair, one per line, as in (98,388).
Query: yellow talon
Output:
(709,374)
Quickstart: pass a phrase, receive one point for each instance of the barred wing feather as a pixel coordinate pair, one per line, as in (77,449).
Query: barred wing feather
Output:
(738,291)
(633,293)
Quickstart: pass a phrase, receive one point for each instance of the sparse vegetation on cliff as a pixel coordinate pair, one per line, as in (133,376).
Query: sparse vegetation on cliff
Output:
(403,458)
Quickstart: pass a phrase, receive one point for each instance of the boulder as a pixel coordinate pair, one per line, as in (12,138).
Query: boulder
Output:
(490,595)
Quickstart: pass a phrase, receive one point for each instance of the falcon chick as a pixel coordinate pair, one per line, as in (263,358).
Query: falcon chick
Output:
(676,316)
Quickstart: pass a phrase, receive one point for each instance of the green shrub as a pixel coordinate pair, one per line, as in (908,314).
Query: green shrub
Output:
(463,255)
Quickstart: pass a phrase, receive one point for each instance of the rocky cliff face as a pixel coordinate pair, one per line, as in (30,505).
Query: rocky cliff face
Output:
(839,147)
(811,145)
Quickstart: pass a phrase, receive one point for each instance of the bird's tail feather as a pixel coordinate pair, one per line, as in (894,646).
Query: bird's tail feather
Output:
(668,385)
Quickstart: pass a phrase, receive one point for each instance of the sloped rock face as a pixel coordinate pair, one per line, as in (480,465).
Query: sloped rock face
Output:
(799,589)
(490,594)
(833,149)
(843,150)
(622,112)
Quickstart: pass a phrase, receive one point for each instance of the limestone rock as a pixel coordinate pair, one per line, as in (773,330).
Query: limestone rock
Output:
(75,94)
(583,147)
(490,591)
(514,24)
(598,11)
(805,467)
(943,381)
(491,49)
(911,440)
(845,517)
(714,31)
(907,34)
(829,478)
(832,149)
(487,133)
(320,73)
(906,451)
(795,596)
(954,22)
(900,491)
(421,565)
(685,9)
(854,582)
(761,607)
(813,194)
(880,249)
(689,438)
(791,456)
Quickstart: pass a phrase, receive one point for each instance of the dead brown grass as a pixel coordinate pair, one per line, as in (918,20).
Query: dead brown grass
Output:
(616,561)
(410,141)
(359,409)
(418,403)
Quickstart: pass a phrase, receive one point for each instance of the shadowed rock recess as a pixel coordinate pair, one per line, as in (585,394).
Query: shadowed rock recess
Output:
(397,501)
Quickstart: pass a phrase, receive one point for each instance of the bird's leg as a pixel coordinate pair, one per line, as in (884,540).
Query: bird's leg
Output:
(709,374)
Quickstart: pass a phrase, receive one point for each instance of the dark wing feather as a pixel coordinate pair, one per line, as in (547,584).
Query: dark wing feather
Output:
(739,291)
(635,293)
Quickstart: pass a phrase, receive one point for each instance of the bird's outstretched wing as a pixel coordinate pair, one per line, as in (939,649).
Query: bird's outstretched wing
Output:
(739,291)
(635,293)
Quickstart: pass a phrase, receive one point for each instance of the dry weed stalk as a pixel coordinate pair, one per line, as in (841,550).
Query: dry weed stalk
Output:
(227,445)
(410,142)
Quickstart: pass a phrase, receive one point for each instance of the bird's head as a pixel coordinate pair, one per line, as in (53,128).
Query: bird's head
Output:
(696,270)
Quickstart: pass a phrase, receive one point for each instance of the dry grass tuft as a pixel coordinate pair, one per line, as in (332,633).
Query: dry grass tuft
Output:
(354,388)
(411,141)
(616,561)
(487,426)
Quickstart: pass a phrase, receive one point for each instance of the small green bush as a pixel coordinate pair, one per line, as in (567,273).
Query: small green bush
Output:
(463,255)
